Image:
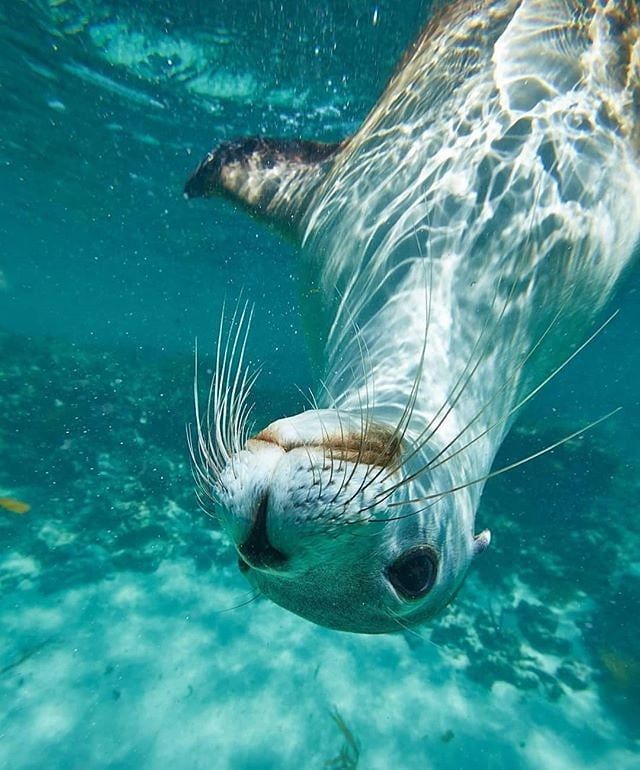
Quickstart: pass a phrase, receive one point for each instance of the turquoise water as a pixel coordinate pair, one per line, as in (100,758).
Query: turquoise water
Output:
(119,648)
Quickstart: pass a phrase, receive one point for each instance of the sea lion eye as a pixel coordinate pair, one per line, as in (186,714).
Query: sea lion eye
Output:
(414,573)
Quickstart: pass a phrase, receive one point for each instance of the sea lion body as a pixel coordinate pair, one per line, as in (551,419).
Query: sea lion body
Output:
(455,251)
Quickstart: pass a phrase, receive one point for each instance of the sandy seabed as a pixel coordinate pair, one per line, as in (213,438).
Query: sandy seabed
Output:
(120,651)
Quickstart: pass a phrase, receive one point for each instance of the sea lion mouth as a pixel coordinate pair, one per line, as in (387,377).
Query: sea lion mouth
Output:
(378,446)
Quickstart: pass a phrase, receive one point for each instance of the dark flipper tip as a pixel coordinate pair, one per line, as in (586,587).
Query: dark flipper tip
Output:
(272,178)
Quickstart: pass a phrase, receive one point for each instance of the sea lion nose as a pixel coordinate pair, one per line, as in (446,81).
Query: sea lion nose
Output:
(257,551)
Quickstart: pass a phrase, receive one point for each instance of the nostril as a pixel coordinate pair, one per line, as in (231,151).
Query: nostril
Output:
(257,551)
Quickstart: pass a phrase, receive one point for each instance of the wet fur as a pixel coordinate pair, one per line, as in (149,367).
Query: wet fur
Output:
(462,244)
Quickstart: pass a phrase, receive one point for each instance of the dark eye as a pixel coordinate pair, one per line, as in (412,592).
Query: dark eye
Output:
(414,573)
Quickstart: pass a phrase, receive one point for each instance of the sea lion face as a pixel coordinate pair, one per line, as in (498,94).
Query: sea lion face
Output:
(325,524)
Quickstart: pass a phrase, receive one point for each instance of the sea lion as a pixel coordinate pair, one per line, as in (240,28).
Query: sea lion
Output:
(456,252)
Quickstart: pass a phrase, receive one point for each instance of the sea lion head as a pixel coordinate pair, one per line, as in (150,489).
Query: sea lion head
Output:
(334,519)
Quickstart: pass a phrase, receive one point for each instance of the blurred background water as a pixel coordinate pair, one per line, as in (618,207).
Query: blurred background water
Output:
(113,651)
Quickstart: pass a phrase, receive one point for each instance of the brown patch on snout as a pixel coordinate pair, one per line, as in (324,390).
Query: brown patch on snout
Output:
(378,446)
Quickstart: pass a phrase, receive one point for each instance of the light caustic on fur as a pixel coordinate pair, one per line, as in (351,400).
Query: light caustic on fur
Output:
(225,427)
(462,242)
(223,430)
(391,459)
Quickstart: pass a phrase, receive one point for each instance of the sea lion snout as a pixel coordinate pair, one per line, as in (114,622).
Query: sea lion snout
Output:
(203,180)
(340,435)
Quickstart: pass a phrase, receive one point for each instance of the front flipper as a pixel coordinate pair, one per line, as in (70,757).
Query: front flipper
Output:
(273,179)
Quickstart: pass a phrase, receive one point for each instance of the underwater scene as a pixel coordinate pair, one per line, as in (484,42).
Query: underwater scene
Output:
(130,638)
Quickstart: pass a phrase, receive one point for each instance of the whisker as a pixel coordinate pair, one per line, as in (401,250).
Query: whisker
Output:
(409,629)
(508,381)
(429,431)
(255,594)
(426,435)
(220,433)
(399,433)
(308,398)
(435,496)
(403,626)
(432,464)
(464,379)
(364,428)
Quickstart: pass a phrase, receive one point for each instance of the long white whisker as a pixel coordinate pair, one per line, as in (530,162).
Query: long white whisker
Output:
(499,471)
(432,464)
(399,433)
(223,430)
